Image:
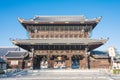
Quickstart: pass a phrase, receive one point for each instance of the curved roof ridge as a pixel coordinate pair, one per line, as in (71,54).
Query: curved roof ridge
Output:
(60,18)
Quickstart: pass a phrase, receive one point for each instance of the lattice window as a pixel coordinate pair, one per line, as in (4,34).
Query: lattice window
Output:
(66,36)
(56,36)
(42,36)
(61,36)
(75,35)
(32,36)
(14,62)
(51,36)
(37,36)
(47,36)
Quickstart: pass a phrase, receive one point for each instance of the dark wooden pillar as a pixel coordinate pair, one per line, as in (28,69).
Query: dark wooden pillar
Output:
(32,50)
(87,58)
(48,59)
(23,64)
(70,61)
(83,62)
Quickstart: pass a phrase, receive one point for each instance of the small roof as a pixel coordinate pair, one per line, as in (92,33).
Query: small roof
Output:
(99,54)
(5,49)
(16,54)
(60,41)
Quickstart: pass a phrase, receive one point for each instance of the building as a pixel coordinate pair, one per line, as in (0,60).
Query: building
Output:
(18,60)
(59,41)
(3,51)
(100,59)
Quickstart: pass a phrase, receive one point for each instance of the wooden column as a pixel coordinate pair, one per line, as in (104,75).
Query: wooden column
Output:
(87,57)
(48,59)
(69,56)
(32,50)
(83,63)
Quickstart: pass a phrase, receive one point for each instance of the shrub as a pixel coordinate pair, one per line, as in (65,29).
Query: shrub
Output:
(116,71)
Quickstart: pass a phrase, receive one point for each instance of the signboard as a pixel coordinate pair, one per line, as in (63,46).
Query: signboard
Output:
(111,51)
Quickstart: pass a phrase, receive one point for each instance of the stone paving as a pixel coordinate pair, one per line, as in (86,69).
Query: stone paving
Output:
(76,74)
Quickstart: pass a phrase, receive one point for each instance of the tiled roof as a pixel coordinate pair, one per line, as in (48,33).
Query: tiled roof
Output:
(16,54)
(99,54)
(84,41)
(4,50)
(61,19)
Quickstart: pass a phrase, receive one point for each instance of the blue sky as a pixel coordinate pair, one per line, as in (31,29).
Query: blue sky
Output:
(109,26)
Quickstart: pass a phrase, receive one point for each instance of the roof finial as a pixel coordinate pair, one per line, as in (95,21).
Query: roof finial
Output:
(100,17)
(19,19)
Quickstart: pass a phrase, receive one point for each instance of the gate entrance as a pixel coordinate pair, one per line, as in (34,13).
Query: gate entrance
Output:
(59,61)
(40,62)
(75,62)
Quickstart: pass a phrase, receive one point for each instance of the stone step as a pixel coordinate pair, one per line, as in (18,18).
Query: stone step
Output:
(62,75)
(58,78)
(64,70)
